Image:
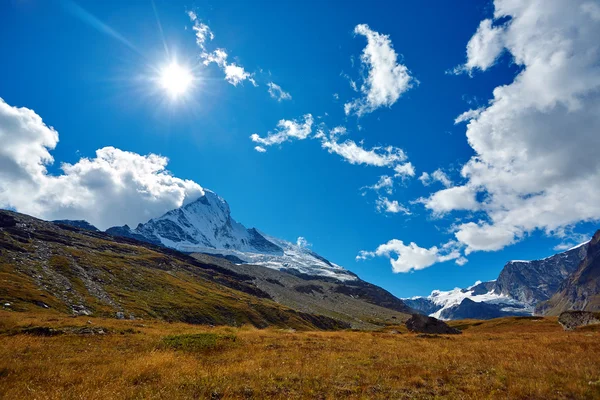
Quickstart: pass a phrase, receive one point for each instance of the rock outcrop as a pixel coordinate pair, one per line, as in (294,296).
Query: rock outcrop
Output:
(574,319)
(424,324)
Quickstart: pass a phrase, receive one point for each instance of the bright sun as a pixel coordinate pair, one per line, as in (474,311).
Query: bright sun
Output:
(175,79)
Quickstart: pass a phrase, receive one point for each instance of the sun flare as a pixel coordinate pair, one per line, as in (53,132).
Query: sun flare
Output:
(175,79)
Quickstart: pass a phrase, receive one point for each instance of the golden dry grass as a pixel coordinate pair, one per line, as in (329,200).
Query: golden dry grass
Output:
(506,358)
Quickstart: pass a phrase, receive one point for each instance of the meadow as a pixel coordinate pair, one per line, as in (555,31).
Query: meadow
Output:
(52,356)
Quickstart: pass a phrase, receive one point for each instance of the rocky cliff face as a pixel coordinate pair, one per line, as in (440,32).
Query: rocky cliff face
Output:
(581,290)
(534,281)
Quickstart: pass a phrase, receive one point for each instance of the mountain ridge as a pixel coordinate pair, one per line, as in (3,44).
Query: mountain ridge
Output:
(206,226)
(581,290)
(520,286)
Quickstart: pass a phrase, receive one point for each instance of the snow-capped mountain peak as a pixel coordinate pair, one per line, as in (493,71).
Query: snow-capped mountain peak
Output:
(206,226)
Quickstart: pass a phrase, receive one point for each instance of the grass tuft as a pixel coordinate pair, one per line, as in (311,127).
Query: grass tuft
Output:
(199,342)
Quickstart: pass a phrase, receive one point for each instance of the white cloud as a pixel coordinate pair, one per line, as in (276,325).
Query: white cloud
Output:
(451,199)
(468,115)
(277,93)
(203,32)
(436,176)
(286,130)
(536,143)
(385,182)
(404,170)
(461,261)
(383,204)
(337,132)
(302,242)
(356,154)
(234,73)
(219,57)
(412,257)
(484,48)
(115,187)
(386,79)
(484,237)
(260,149)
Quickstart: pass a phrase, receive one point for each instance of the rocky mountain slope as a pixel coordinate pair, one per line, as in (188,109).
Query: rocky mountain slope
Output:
(357,302)
(54,267)
(534,281)
(519,287)
(59,267)
(581,290)
(206,226)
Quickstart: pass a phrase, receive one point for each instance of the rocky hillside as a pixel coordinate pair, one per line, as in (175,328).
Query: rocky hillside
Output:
(357,302)
(56,266)
(534,281)
(581,290)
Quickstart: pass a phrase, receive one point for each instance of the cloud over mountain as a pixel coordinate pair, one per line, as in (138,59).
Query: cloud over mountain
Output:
(112,188)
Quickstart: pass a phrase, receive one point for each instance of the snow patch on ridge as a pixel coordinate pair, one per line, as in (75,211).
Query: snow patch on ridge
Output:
(206,226)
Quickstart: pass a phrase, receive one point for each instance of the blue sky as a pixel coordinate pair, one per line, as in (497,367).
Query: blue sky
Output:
(89,70)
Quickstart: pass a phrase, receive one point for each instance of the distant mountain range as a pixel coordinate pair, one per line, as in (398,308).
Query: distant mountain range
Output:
(301,279)
(522,288)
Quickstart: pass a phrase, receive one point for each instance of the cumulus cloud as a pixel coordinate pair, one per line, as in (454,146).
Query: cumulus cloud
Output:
(383,204)
(451,199)
(277,93)
(405,170)
(286,130)
(406,258)
(436,176)
(386,79)
(536,144)
(113,188)
(484,48)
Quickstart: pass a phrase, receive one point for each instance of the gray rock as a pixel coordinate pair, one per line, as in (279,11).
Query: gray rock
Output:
(424,324)
(574,319)
(120,315)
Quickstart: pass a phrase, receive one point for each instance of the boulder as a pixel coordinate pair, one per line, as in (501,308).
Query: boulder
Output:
(424,324)
(574,319)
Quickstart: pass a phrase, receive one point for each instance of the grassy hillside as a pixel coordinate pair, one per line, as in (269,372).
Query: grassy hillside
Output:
(54,268)
(58,357)
(362,305)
